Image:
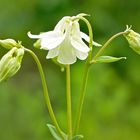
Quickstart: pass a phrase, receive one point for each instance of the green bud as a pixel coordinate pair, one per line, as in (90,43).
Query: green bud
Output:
(37,44)
(133,39)
(11,63)
(8,43)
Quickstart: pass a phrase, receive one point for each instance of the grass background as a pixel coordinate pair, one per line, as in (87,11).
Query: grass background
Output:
(112,107)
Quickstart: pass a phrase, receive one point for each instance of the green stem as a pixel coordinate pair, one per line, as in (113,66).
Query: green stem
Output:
(107,43)
(82,97)
(69,110)
(90,32)
(85,78)
(46,95)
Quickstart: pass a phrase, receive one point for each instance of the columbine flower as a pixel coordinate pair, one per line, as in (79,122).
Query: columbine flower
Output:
(65,41)
(133,39)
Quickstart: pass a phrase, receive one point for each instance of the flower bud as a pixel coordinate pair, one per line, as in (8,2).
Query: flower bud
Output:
(8,43)
(37,44)
(133,39)
(11,63)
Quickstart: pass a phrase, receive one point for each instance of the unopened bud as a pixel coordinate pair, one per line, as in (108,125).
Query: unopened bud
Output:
(11,63)
(133,39)
(37,44)
(8,43)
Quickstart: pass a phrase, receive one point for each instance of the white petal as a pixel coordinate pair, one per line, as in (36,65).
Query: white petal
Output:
(81,55)
(76,29)
(51,34)
(43,35)
(61,25)
(51,40)
(86,37)
(66,53)
(53,53)
(76,39)
(79,45)
(33,36)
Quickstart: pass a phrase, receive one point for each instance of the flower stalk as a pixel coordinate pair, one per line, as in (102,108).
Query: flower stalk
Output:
(46,95)
(69,108)
(89,30)
(85,77)
(87,66)
(107,43)
(82,97)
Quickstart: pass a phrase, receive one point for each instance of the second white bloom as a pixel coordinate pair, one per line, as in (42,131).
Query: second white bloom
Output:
(65,41)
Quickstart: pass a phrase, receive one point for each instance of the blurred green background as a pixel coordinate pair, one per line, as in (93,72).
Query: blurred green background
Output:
(112,107)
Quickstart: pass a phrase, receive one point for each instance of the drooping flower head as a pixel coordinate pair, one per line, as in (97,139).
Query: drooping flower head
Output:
(133,39)
(65,41)
(11,63)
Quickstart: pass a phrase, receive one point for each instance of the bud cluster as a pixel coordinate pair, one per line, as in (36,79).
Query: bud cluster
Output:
(10,63)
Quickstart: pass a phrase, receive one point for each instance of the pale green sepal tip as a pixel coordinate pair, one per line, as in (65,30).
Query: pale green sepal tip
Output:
(83,15)
(128,28)
(107,59)
(37,44)
(55,134)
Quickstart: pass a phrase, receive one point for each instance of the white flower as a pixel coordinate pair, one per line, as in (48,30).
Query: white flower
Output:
(65,41)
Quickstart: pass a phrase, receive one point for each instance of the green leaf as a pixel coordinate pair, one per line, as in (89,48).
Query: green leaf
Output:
(55,133)
(107,59)
(77,137)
